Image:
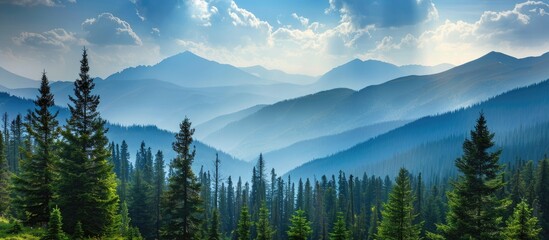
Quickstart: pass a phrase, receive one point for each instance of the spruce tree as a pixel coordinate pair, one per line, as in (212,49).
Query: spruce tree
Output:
(33,185)
(263,226)
(244,224)
(474,208)
(522,225)
(300,227)
(4,181)
(183,194)
(214,233)
(124,219)
(86,188)
(340,231)
(139,210)
(159,186)
(398,213)
(55,231)
(124,171)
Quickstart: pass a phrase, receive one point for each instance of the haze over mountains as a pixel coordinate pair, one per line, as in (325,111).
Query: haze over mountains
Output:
(519,119)
(253,110)
(406,98)
(154,138)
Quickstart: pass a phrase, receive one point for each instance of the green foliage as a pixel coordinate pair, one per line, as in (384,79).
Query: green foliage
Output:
(398,213)
(340,231)
(475,211)
(263,226)
(86,188)
(522,225)
(25,233)
(16,227)
(244,224)
(182,197)
(139,205)
(214,233)
(33,186)
(300,227)
(4,181)
(55,231)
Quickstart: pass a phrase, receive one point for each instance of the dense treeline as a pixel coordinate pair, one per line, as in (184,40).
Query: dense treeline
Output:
(71,181)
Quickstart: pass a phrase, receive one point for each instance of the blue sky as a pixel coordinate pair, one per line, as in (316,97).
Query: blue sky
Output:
(297,36)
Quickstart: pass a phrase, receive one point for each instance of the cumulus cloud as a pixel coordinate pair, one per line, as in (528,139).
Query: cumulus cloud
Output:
(518,31)
(108,29)
(386,13)
(303,20)
(53,39)
(28,3)
(202,11)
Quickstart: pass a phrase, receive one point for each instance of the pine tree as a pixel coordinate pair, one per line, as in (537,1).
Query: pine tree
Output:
(474,209)
(124,219)
(159,186)
(264,229)
(15,143)
(374,220)
(55,231)
(244,224)
(300,227)
(139,210)
(78,232)
(522,225)
(34,184)
(340,229)
(124,171)
(214,233)
(398,213)
(87,184)
(182,197)
(4,181)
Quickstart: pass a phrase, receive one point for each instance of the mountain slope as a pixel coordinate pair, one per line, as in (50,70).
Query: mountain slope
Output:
(439,138)
(189,70)
(288,158)
(410,97)
(358,74)
(155,138)
(279,76)
(12,80)
(277,125)
(217,123)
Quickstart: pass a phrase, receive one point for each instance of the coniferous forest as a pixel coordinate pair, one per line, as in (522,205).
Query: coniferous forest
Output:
(64,179)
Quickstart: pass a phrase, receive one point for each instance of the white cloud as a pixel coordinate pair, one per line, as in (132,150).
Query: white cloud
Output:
(108,29)
(53,39)
(386,13)
(202,11)
(520,31)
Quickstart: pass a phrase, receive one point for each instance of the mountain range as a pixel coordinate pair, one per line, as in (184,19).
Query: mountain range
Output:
(519,119)
(406,98)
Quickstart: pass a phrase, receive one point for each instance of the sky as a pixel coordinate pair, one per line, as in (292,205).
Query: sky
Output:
(297,36)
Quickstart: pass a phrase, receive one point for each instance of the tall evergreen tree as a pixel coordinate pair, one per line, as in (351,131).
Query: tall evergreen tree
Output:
(340,231)
(398,213)
(139,206)
(87,184)
(4,181)
(159,186)
(34,184)
(264,229)
(474,209)
(214,233)
(124,171)
(182,196)
(300,227)
(244,224)
(522,225)
(15,143)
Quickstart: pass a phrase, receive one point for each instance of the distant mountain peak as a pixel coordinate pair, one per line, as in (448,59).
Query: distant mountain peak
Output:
(497,56)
